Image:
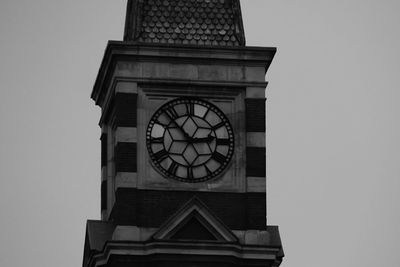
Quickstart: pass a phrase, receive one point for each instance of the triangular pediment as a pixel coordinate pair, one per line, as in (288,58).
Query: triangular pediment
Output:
(193,229)
(195,222)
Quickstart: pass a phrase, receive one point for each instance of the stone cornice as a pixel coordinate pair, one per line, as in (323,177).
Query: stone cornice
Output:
(181,249)
(131,51)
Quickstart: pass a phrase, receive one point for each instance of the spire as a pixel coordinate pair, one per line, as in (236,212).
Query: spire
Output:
(187,22)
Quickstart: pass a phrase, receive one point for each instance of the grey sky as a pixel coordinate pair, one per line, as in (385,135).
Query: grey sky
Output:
(333,127)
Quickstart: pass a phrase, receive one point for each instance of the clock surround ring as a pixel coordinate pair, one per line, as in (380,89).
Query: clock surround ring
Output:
(190,140)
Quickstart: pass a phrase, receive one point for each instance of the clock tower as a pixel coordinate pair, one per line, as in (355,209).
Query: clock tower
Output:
(183,174)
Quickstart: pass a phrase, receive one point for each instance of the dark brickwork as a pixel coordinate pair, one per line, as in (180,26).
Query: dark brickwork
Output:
(253,213)
(125,110)
(103,195)
(255,161)
(255,115)
(126,157)
(150,208)
(103,140)
(182,260)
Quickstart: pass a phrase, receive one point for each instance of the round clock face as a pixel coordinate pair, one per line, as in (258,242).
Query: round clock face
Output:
(190,140)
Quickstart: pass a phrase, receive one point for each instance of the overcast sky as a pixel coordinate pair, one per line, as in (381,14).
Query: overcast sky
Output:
(333,127)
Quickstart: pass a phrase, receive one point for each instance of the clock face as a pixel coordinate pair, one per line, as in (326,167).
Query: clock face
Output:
(190,140)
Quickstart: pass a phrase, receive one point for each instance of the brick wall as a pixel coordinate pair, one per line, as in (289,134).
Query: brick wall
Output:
(151,208)
(125,110)
(255,115)
(256,161)
(125,157)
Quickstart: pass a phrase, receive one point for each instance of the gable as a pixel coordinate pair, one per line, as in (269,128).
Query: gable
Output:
(193,230)
(194,221)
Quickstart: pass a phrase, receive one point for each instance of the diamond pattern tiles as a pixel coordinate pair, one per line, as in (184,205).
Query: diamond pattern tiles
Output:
(190,22)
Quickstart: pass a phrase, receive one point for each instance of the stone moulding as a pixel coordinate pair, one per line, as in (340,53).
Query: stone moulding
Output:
(182,251)
(118,51)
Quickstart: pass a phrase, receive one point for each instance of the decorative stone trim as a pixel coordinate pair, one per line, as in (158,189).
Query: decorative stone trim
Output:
(103,173)
(132,233)
(256,184)
(256,92)
(126,87)
(126,180)
(191,249)
(255,139)
(126,135)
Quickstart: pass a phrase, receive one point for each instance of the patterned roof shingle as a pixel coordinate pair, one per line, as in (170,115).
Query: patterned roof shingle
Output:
(189,22)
